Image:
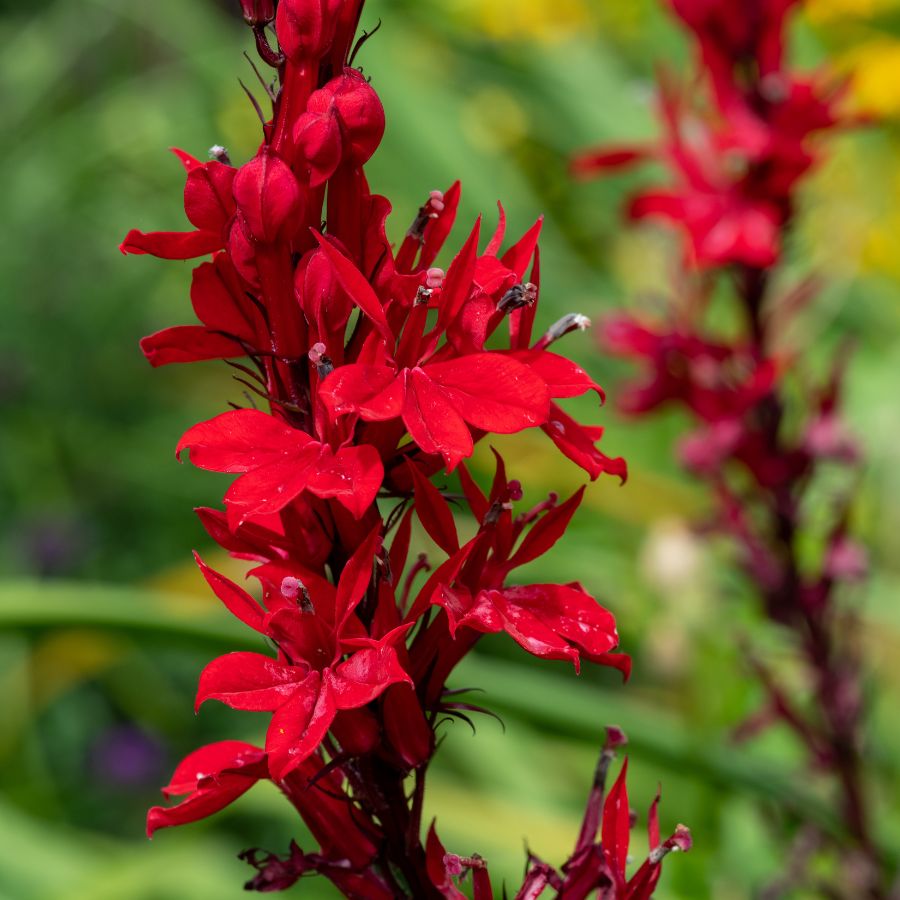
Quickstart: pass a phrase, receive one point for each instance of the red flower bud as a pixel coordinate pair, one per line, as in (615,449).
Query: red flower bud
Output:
(306,27)
(344,121)
(361,115)
(258,12)
(267,194)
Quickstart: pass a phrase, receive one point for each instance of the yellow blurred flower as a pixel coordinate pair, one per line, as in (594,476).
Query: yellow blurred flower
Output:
(875,68)
(541,20)
(492,118)
(824,11)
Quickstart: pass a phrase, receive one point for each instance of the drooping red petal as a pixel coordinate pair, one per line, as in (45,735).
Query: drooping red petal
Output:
(186,344)
(578,443)
(236,600)
(249,681)
(491,613)
(172,244)
(242,440)
(569,611)
(214,776)
(357,286)
(563,377)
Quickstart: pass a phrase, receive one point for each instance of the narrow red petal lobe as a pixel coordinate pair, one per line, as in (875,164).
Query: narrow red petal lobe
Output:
(172,244)
(186,344)
(616,826)
(236,600)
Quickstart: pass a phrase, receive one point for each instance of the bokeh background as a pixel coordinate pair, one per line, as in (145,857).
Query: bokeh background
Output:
(104,624)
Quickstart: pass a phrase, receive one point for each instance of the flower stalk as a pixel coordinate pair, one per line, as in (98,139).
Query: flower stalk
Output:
(378,383)
(735,157)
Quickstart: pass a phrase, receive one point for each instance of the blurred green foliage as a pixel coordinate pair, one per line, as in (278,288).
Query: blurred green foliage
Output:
(103,624)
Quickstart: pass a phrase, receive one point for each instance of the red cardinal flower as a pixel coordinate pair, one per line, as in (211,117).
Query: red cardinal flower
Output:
(379,372)
(280,463)
(209,205)
(212,777)
(439,401)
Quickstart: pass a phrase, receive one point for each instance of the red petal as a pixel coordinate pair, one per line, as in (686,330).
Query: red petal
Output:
(577,443)
(214,776)
(358,287)
(562,376)
(353,476)
(188,343)
(208,200)
(249,681)
(616,825)
(355,579)
(242,440)
(220,302)
(236,600)
(432,421)
(547,531)
(375,392)
(208,761)
(493,392)
(492,613)
(365,676)
(569,612)
(172,244)
(458,283)
(520,254)
(270,488)
(434,513)
(298,727)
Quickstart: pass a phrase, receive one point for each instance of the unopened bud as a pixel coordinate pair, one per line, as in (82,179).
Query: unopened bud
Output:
(258,12)
(615,737)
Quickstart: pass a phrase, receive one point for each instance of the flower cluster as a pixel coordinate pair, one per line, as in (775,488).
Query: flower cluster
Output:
(374,368)
(734,154)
